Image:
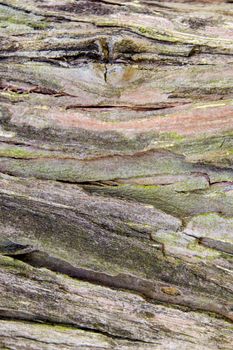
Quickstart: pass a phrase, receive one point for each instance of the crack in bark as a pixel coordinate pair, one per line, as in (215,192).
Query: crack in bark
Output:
(18,8)
(106,73)
(156,291)
(109,3)
(221,246)
(55,322)
(134,108)
(34,89)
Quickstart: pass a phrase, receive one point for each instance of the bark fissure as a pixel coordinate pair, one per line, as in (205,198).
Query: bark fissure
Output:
(71,326)
(170,295)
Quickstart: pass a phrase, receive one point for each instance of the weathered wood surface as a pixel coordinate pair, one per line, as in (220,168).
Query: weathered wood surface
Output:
(116,174)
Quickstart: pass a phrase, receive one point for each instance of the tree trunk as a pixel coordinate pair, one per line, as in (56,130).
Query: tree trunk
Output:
(116,174)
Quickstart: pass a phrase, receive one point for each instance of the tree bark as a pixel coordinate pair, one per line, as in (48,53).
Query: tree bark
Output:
(116,174)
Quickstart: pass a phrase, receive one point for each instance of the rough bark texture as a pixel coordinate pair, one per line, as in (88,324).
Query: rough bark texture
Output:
(116,174)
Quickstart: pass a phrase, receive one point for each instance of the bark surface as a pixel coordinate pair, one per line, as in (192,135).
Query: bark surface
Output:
(116,175)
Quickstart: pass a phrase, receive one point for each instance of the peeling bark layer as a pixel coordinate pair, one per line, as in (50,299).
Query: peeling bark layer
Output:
(116,174)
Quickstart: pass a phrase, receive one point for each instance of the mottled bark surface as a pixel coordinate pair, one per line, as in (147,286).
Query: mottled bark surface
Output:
(116,174)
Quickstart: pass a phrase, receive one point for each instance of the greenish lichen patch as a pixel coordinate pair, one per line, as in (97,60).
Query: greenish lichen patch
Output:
(203,252)
(211,225)
(18,152)
(21,152)
(16,18)
(14,264)
(184,202)
(14,96)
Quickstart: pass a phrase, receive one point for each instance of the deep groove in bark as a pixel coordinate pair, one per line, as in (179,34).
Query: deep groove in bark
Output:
(145,288)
